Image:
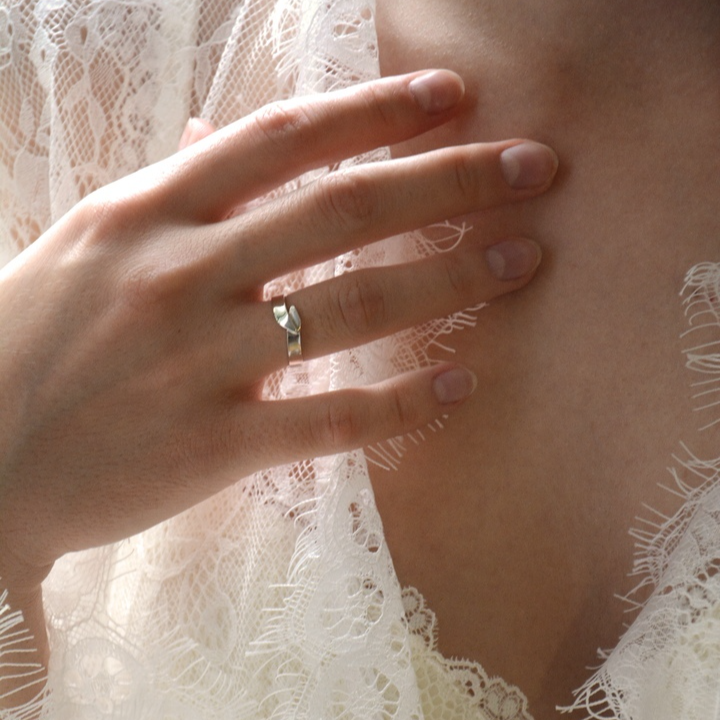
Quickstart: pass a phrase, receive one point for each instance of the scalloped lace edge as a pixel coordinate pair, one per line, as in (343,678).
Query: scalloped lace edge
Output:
(463,682)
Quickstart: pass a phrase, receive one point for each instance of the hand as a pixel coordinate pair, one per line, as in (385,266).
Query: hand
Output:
(134,335)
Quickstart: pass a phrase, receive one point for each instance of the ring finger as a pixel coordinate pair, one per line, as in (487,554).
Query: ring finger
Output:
(365,305)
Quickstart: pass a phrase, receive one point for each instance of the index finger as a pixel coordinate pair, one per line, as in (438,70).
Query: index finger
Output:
(247,159)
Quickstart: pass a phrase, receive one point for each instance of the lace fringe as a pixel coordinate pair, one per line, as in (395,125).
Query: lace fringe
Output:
(659,537)
(12,637)
(437,238)
(491,697)
(701,309)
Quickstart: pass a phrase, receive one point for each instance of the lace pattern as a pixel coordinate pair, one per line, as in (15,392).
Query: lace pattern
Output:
(666,665)
(446,685)
(277,598)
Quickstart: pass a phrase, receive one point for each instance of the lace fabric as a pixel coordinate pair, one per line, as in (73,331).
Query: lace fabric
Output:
(454,688)
(277,598)
(667,665)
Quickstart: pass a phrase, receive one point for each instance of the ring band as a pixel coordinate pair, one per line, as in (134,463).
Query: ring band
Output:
(289,320)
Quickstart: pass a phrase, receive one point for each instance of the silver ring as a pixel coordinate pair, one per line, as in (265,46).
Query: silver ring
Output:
(288,319)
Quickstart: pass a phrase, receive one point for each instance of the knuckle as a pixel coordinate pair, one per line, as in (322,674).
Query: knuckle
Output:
(114,214)
(362,305)
(466,176)
(221,440)
(142,289)
(460,275)
(338,426)
(160,289)
(284,125)
(348,200)
(380,110)
(100,216)
(403,410)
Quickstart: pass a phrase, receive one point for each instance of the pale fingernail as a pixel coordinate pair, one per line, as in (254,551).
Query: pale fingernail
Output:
(511,259)
(528,165)
(187,132)
(454,385)
(437,91)
(192,132)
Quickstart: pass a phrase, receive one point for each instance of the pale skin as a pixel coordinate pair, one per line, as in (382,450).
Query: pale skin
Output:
(110,317)
(514,521)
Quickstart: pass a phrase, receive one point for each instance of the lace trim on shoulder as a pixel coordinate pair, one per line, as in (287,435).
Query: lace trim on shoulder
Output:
(452,688)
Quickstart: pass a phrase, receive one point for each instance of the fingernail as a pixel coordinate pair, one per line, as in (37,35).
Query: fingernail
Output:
(187,132)
(528,165)
(192,132)
(511,259)
(454,385)
(437,90)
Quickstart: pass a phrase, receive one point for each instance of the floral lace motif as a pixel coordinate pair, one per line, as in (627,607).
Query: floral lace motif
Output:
(455,688)
(277,598)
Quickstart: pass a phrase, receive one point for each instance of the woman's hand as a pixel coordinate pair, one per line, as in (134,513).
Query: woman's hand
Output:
(134,336)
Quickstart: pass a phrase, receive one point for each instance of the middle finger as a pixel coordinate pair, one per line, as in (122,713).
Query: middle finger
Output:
(361,205)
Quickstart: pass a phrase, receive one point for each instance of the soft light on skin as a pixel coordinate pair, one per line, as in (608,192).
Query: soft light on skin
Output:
(513,522)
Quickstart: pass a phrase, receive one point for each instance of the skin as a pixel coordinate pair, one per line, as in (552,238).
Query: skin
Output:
(110,317)
(514,521)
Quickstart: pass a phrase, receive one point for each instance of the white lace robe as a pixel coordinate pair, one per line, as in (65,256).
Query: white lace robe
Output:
(277,598)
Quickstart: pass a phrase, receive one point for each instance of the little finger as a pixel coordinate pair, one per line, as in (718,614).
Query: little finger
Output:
(288,430)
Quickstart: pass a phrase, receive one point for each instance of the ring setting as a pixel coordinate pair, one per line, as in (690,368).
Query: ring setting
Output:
(288,318)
